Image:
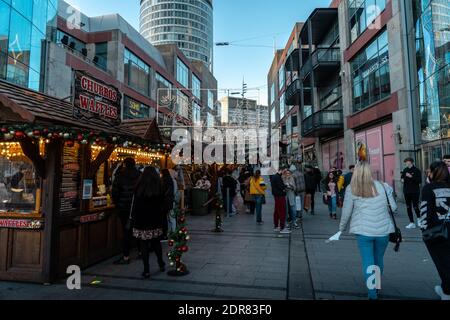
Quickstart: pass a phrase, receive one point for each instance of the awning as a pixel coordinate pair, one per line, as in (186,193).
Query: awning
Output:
(146,129)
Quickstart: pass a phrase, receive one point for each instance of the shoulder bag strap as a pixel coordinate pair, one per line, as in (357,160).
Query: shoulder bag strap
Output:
(391,212)
(131,209)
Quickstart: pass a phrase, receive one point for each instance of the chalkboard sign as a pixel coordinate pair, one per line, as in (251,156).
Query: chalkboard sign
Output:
(70,182)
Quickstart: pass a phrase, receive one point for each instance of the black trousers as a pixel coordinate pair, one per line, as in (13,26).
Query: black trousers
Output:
(154,244)
(127,235)
(440,253)
(312,193)
(412,202)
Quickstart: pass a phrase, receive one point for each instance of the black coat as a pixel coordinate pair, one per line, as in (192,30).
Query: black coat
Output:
(278,186)
(148,213)
(123,189)
(411,185)
(310,182)
(228,182)
(167,189)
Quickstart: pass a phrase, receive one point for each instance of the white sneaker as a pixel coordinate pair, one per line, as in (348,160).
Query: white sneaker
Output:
(440,293)
(276,230)
(285,231)
(411,226)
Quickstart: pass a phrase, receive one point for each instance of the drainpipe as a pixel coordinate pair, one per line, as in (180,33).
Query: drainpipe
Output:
(409,82)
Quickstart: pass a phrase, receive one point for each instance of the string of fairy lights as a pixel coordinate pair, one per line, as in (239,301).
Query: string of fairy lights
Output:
(120,154)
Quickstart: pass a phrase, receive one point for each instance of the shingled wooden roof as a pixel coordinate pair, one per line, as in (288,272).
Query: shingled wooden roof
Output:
(146,129)
(21,105)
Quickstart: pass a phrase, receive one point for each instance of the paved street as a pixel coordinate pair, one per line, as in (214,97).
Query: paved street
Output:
(251,262)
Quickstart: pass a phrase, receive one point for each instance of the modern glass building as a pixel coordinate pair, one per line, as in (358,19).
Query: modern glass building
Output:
(186,23)
(432,27)
(25,25)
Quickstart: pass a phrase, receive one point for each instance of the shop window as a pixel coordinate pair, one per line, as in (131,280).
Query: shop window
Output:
(133,109)
(20,186)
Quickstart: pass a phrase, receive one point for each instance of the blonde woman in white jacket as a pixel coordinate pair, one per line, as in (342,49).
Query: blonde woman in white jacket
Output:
(366,209)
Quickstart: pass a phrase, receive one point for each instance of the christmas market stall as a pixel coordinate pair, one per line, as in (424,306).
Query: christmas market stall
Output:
(57,164)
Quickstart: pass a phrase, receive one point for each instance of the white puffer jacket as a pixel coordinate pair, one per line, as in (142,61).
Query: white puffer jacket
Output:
(368,216)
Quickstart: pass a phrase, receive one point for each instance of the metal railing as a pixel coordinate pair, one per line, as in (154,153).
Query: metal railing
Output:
(320,55)
(323,119)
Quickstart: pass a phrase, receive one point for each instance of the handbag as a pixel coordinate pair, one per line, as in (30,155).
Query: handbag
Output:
(307,204)
(396,236)
(326,199)
(437,233)
(130,221)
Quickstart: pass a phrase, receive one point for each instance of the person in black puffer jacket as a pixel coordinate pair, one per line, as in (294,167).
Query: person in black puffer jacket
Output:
(122,194)
(435,217)
(412,179)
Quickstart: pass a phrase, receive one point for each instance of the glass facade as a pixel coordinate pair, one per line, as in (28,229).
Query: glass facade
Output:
(432,20)
(183,105)
(210,99)
(370,73)
(186,23)
(272,93)
(164,88)
(137,73)
(68,40)
(196,114)
(25,25)
(182,73)
(362,13)
(281,78)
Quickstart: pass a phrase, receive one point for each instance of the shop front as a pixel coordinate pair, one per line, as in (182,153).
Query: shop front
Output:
(57,165)
(333,154)
(381,150)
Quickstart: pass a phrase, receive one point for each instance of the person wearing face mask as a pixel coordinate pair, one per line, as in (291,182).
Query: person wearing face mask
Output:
(412,179)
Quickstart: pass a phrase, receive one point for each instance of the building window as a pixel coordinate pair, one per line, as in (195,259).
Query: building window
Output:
(211,99)
(196,87)
(137,73)
(370,73)
(209,120)
(68,40)
(282,107)
(163,89)
(273,118)
(281,78)
(101,55)
(182,73)
(272,94)
(182,105)
(362,13)
(133,109)
(196,114)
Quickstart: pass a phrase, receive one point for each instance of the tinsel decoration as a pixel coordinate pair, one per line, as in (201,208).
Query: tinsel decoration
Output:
(72,135)
(218,209)
(178,242)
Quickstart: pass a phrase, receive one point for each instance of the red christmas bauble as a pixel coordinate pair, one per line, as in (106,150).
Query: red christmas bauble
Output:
(80,137)
(70,143)
(5,130)
(36,133)
(170,243)
(19,135)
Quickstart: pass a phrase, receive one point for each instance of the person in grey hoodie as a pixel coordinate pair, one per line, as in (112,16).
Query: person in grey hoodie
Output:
(366,209)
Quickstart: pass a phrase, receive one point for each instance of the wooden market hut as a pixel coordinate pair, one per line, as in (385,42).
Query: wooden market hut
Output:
(55,178)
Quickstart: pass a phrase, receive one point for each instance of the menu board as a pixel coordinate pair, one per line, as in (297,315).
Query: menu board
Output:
(70,184)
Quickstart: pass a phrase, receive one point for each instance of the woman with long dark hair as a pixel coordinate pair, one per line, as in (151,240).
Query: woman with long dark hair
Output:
(331,190)
(148,217)
(435,223)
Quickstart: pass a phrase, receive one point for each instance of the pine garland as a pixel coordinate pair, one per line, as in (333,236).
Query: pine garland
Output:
(178,242)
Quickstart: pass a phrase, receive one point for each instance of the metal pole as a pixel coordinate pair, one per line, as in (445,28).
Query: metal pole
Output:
(228,203)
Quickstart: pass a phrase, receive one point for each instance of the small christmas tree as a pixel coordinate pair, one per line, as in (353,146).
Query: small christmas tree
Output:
(178,242)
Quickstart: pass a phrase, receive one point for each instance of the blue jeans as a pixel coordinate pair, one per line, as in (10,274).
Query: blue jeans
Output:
(372,251)
(258,207)
(332,205)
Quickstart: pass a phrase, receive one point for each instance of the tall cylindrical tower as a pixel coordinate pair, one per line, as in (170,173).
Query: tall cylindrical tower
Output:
(186,23)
